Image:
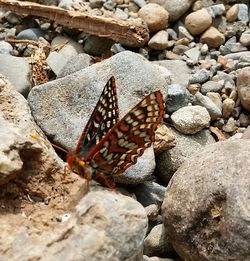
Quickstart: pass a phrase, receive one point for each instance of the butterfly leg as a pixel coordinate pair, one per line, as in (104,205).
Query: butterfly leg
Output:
(105,181)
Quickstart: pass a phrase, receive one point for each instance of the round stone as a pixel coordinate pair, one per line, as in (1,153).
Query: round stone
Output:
(197,22)
(155,16)
(159,41)
(212,37)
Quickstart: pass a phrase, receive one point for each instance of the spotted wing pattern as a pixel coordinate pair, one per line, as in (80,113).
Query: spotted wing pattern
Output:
(128,138)
(104,116)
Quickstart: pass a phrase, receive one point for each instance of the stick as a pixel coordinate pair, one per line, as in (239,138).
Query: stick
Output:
(124,32)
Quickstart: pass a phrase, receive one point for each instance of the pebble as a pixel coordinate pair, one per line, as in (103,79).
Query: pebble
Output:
(156,243)
(204,101)
(244,120)
(230,126)
(243,13)
(194,88)
(120,14)
(211,86)
(200,76)
(243,86)
(232,13)
(155,16)
(175,10)
(5,48)
(31,34)
(56,62)
(212,37)
(227,107)
(245,39)
(152,211)
(197,22)
(17,70)
(193,54)
(159,41)
(215,98)
(178,97)
(216,10)
(191,119)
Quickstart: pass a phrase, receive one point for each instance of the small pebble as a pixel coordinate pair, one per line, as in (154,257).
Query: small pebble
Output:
(230,126)
(227,107)
(159,41)
(212,37)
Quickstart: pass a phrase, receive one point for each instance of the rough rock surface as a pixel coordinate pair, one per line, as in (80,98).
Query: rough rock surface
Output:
(92,232)
(206,208)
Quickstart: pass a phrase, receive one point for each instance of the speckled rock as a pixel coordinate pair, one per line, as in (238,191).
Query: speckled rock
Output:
(211,86)
(91,233)
(190,119)
(212,37)
(245,39)
(206,211)
(155,16)
(197,22)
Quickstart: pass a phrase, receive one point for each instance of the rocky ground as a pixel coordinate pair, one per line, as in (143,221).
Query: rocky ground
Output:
(188,196)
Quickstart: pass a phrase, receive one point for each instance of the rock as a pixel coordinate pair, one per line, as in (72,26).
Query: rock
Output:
(120,14)
(155,16)
(152,212)
(96,3)
(216,99)
(29,162)
(243,86)
(193,54)
(243,13)
(197,22)
(150,193)
(190,119)
(180,72)
(245,39)
(200,76)
(178,97)
(71,99)
(177,10)
(92,232)
(193,88)
(67,47)
(184,33)
(204,101)
(164,139)
(230,125)
(246,134)
(156,243)
(74,64)
(95,45)
(159,41)
(227,107)
(17,70)
(211,86)
(186,145)
(5,48)
(56,62)
(244,120)
(212,37)
(232,13)
(216,10)
(31,34)
(206,203)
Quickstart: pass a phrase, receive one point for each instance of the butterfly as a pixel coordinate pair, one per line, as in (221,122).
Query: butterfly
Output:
(108,146)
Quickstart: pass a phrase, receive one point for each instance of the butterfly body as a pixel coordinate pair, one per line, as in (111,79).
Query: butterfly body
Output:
(108,146)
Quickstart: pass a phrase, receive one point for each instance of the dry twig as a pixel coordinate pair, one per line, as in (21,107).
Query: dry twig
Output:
(121,31)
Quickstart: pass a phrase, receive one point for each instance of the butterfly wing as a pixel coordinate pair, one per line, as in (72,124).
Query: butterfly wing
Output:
(104,116)
(128,138)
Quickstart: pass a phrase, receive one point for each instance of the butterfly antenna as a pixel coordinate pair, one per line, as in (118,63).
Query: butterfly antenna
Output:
(34,136)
